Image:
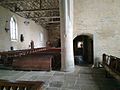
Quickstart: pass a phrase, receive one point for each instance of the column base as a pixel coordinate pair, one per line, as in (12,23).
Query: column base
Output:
(68,69)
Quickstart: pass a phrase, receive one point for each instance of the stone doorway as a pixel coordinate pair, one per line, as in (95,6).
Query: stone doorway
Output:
(83,49)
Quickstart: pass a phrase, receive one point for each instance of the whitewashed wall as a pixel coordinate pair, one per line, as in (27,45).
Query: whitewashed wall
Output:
(102,19)
(31,32)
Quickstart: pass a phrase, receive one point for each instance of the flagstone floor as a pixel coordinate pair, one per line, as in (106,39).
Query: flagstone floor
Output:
(83,78)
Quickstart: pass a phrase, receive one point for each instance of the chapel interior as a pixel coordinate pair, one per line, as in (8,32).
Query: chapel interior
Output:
(59,45)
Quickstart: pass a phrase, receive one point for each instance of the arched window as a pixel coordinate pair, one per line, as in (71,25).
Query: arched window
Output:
(80,44)
(41,36)
(13,29)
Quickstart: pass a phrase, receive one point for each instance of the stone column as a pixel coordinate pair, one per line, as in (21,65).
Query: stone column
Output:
(66,24)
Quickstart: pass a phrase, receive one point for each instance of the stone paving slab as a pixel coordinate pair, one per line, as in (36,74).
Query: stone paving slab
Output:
(83,78)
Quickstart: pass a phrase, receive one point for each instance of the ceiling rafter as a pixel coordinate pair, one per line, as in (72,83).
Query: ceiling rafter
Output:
(43,12)
(12,1)
(53,22)
(38,10)
(40,14)
(45,17)
(45,4)
(47,22)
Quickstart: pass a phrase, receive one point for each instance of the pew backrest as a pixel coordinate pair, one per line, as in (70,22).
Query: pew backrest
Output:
(112,65)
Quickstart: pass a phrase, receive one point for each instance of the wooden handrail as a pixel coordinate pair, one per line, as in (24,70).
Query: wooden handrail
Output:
(17,53)
(18,85)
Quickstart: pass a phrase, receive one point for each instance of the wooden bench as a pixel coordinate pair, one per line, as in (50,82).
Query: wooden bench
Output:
(21,85)
(33,62)
(112,65)
(56,61)
(32,59)
(6,57)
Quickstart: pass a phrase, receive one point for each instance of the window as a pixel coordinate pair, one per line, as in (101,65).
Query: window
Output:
(41,36)
(13,29)
(80,44)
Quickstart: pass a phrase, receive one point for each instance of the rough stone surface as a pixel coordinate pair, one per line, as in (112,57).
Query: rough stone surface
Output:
(100,18)
(83,78)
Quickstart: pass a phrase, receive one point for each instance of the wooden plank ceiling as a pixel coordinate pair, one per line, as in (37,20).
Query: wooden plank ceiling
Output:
(43,12)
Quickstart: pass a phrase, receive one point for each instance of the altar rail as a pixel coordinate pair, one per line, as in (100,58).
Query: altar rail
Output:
(112,65)
(21,85)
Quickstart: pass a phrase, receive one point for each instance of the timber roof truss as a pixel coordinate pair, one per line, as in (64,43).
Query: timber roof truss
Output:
(43,12)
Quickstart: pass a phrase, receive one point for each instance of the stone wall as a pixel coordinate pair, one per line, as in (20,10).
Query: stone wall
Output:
(30,32)
(100,18)
(54,35)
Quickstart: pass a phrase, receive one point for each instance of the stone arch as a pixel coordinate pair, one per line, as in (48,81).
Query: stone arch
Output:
(85,51)
(86,34)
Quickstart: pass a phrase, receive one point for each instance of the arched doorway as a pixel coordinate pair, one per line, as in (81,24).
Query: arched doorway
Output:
(83,49)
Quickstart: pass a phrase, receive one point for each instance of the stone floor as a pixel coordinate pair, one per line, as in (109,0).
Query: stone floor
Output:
(83,78)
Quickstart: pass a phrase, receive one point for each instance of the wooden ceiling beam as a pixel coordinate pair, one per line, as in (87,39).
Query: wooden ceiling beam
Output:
(12,1)
(48,22)
(44,17)
(52,22)
(38,10)
(47,14)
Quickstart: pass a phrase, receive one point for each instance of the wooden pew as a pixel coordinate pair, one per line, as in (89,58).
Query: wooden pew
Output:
(6,57)
(56,53)
(21,85)
(46,59)
(33,62)
(112,65)
(43,59)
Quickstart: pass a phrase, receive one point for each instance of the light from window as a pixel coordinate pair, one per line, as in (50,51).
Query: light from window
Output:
(13,29)
(41,36)
(80,44)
